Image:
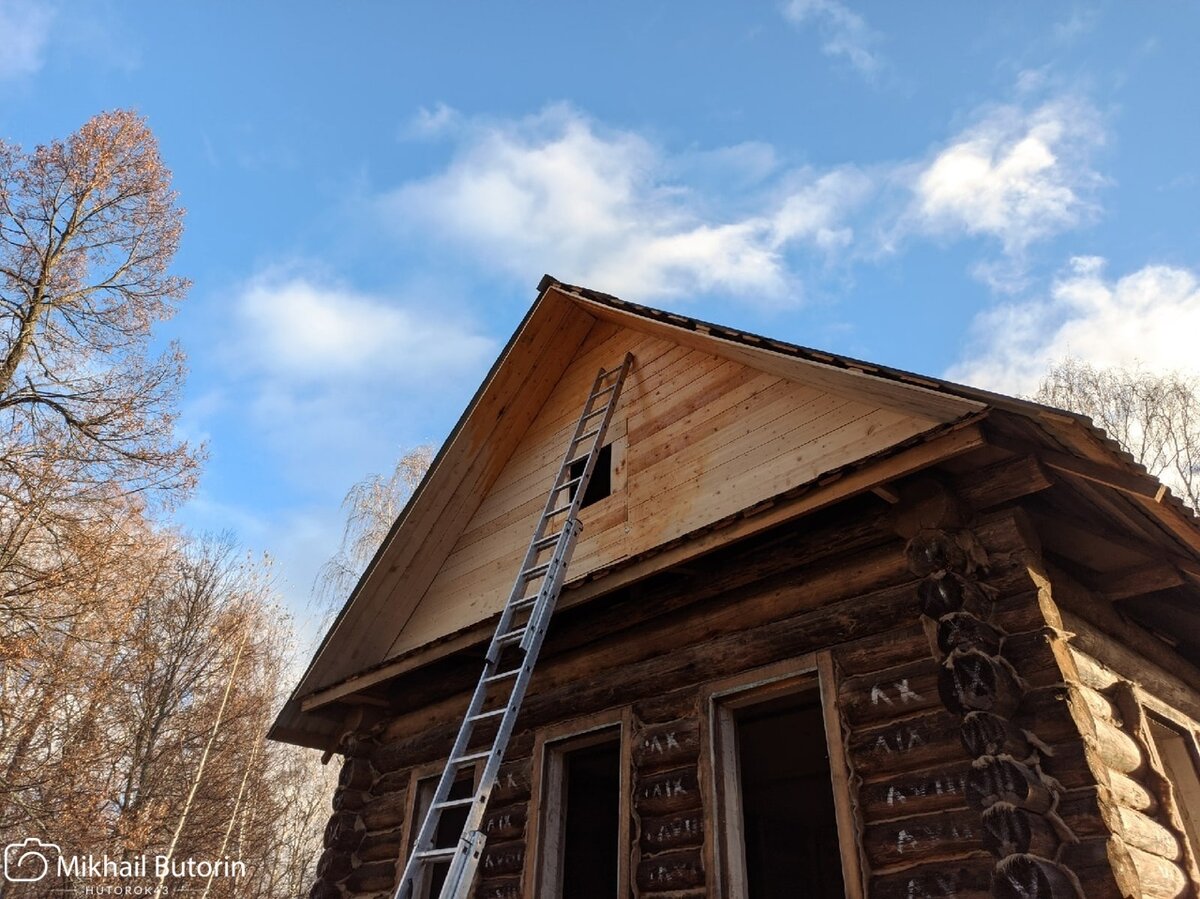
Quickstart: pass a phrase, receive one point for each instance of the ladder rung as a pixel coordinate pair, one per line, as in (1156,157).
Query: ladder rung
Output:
(437,855)
(558,511)
(536,571)
(503,675)
(473,757)
(455,803)
(518,604)
(549,540)
(583,437)
(512,636)
(567,484)
(494,713)
(599,410)
(599,393)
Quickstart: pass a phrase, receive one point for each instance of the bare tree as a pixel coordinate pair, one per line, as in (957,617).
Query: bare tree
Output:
(88,229)
(1155,417)
(371,506)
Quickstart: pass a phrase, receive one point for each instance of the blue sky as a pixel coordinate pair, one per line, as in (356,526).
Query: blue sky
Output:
(374,190)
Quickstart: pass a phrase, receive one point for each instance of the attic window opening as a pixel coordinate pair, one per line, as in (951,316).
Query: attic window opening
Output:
(600,485)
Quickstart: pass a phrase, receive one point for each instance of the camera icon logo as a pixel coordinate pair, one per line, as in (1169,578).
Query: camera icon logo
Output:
(29,860)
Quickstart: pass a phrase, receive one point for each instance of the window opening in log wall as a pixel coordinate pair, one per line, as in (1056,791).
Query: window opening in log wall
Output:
(1178,755)
(600,485)
(581,844)
(449,828)
(779,813)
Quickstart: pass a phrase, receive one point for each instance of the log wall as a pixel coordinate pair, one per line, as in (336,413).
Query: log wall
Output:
(984,758)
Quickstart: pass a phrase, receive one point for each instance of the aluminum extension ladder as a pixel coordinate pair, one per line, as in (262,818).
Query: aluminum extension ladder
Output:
(522,625)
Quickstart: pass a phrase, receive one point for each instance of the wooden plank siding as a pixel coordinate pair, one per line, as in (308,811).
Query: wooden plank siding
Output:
(700,437)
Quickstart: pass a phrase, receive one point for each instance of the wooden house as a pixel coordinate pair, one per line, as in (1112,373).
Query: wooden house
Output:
(831,629)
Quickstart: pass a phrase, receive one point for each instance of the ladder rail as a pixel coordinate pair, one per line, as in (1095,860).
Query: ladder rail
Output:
(540,607)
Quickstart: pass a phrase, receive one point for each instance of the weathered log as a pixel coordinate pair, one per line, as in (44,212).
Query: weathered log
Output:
(1128,792)
(922,838)
(1030,877)
(933,551)
(1017,613)
(1079,809)
(385,844)
(1091,861)
(1116,749)
(1032,653)
(1099,705)
(916,793)
(668,792)
(1091,672)
(499,888)
(993,779)
(506,823)
(1002,482)
(984,733)
(373,877)
(1008,830)
(384,812)
(897,646)
(970,681)
(941,594)
(334,865)
(349,800)
(664,707)
(344,831)
(873,698)
(501,858)
(962,630)
(1156,877)
(513,782)
(392,782)
(680,869)
(968,878)
(908,745)
(673,831)
(324,890)
(356,774)
(1145,833)
(667,745)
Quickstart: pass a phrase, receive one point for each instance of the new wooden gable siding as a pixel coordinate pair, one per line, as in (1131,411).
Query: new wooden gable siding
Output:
(843,583)
(504,410)
(701,437)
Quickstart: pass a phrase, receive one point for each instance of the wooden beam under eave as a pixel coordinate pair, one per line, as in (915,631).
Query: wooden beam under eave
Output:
(1002,482)
(1139,581)
(954,442)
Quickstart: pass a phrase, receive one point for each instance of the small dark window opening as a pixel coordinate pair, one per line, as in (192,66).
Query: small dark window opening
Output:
(600,485)
(449,828)
(788,818)
(591,821)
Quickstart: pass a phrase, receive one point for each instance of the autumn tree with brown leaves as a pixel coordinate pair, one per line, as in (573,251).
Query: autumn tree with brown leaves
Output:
(139,666)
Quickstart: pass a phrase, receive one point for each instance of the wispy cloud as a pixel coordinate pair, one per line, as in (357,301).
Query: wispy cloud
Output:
(844,32)
(303,330)
(557,191)
(1149,317)
(1017,175)
(24,32)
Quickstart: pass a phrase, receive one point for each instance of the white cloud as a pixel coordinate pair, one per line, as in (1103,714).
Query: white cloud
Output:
(1017,176)
(556,192)
(1149,318)
(301,330)
(24,31)
(432,122)
(844,32)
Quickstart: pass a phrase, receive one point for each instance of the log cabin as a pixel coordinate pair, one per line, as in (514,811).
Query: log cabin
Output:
(831,629)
